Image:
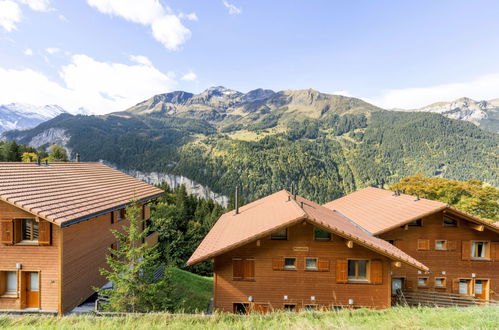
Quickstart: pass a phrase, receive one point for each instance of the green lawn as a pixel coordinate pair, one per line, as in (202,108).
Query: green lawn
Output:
(395,318)
(192,292)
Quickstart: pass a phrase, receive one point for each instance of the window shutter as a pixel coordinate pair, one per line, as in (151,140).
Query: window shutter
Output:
(341,271)
(278,263)
(455,286)
(3,282)
(494,251)
(237,269)
(113,216)
(452,245)
(466,250)
(249,269)
(376,272)
(147,212)
(423,244)
(408,285)
(323,265)
(44,232)
(7,231)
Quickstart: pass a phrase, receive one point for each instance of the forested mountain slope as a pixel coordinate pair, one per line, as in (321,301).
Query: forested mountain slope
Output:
(263,141)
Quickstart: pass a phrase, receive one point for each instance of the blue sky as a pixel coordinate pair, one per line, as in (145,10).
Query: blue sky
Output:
(107,55)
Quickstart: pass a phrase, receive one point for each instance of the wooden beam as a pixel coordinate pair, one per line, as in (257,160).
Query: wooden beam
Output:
(397,264)
(476,227)
(350,244)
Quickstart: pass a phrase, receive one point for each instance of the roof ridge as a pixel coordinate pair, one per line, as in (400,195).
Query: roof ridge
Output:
(353,222)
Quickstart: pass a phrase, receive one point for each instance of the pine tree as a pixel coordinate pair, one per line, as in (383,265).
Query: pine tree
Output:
(131,271)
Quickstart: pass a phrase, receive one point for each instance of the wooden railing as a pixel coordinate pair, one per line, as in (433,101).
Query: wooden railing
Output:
(438,299)
(152,239)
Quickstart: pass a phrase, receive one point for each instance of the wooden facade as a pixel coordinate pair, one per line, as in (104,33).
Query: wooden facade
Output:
(67,266)
(446,248)
(253,275)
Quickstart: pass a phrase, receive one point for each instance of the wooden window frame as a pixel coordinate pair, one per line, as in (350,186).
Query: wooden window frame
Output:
(19,236)
(289,310)
(471,286)
(316,239)
(243,277)
(447,226)
(421,240)
(10,295)
(316,269)
(427,281)
(444,281)
(314,308)
(487,250)
(295,267)
(121,214)
(445,245)
(279,238)
(416,223)
(368,271)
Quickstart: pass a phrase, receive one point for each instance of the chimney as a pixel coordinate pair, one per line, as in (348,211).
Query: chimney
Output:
(77,157)
(236,201)
(301,204)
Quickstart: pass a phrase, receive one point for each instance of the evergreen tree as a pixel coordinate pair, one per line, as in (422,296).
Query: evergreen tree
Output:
(57,154)
(131,270)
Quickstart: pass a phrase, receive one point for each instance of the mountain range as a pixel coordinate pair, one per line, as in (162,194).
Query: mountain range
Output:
(324,145)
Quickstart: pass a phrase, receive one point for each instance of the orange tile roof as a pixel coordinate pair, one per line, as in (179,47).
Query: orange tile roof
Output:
(65,193)
(378,210)
(260,218)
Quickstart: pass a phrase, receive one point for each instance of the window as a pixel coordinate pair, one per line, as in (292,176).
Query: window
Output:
(311,264)
(290,263)
(243,269)
(440,245)
(449,222)
(240,308)
(416,223)
(357,270)
(281,234)
(465,287)
(391,241)
(321,235)
(9,283)
(423,282)
(122,214)
(29,231)
(480,250)
(310,307)
(423,244)
(440,282)
(289,307)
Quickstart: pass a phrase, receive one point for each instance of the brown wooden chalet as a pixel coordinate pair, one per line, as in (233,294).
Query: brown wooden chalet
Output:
(461,250)
(55,222)
(285,252)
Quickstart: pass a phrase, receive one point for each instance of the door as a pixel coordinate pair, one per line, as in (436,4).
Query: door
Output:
(31,285)
(482,289)
(397,283)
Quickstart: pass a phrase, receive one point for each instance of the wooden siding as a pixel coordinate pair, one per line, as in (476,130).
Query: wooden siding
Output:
(270,286)
(450,264)
(43,259)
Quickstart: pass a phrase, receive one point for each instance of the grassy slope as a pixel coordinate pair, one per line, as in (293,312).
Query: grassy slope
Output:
(192,292)
(395,318)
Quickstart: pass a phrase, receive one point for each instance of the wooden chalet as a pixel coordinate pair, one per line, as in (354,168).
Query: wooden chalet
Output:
(461,250)
(55,222)
(285,252)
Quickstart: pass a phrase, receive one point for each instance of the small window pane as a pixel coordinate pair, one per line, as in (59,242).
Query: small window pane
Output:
(362,269)
(289,307)
(311,264)
(441,245)
(463,286)
(310,307)
(289,263)
(449,222)
(440,282)
(422,281)
(352,266)
(321,235)
(416,223)
(281,234)
(11,285)
(33,281)
(478,249)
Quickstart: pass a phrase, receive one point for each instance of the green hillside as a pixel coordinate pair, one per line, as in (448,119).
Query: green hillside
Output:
(192,292)
(323,144)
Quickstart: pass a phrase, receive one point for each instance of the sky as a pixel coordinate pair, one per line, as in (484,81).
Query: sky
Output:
(107,55)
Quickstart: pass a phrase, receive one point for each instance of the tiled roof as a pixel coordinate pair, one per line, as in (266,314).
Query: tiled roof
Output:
(260,218)
(65,193)
(378,210)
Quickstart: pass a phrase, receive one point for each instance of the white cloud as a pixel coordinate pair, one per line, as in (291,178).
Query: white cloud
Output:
(233,10)
(481,88)
(28,52)
(52,50)
(101,87)
(190,17)
(10,15)
(38,5)
(191,76)
(140,59)
(166,27)
(62,18)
